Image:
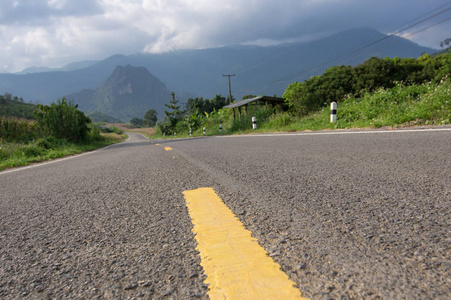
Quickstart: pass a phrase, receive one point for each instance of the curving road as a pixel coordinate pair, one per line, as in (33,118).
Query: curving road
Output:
(347,215)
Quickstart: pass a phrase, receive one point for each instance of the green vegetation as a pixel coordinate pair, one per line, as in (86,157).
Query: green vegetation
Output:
(380,92)
(59,130)
(199,112)
(337,83)
(137,122)
(63,121)
(150,118)
(15,107)
(101,117)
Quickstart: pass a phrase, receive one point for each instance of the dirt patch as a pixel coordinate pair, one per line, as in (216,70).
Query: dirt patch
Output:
(130,128)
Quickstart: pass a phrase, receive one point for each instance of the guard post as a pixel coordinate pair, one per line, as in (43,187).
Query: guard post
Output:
(333,112)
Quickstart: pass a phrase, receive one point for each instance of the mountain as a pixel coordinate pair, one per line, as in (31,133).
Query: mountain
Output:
(192,73)
(100,117)
(69,67)
(127,93)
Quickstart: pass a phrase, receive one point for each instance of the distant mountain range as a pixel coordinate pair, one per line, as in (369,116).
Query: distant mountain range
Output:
(199,73)
(129,92)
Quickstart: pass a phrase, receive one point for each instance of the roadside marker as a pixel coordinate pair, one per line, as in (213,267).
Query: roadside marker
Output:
(237,267)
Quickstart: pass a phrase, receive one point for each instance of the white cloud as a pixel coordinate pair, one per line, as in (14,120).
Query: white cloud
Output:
(56,32)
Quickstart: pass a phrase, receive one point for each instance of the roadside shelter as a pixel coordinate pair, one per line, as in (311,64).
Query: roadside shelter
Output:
(262,100)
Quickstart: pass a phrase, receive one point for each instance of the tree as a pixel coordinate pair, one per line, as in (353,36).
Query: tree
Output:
(175,114)
(150,118)
(201,106)
(445,42)
(137,122)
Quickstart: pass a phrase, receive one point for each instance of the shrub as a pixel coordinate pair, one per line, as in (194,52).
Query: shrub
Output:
(64,121)
(18,130)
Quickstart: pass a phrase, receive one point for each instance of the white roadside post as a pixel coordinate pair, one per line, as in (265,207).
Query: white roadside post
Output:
(190,133)
(333,112)
(220,127)
(254,123)
(204,130)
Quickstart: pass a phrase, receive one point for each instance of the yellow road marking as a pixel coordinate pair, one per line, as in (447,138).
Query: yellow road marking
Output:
(167,148)
(157,144)
(237,267)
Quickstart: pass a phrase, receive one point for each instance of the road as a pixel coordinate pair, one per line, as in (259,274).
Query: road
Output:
(353,215)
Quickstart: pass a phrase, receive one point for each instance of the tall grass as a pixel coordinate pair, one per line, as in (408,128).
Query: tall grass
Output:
(18,130)
(429,103)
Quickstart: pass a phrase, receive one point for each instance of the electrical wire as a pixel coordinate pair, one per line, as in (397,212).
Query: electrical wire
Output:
(404,28)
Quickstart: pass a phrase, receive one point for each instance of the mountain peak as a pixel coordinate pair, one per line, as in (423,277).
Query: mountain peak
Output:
(128,92)
(130,80)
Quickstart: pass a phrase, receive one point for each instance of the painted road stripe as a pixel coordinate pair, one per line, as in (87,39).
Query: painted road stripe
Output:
(167,148)
(237,267)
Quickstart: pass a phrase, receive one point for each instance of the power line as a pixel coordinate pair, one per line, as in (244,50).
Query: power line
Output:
(374,42)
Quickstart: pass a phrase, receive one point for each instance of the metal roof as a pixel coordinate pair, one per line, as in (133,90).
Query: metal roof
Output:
(260,98)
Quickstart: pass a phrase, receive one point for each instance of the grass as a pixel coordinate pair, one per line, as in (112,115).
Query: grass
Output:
(21,154)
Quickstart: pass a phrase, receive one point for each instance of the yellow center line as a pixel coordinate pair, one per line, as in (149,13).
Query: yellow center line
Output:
(237,267)
(167,148)
(157,144)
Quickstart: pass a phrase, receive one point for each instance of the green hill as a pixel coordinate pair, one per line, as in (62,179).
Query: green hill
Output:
(15,107)
(100,117)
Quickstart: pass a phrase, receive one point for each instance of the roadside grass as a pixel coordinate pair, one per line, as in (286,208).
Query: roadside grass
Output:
(400,106)
(21,154)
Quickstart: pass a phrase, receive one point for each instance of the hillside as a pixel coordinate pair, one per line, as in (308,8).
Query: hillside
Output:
(127,93)
(16,108)
(191,73)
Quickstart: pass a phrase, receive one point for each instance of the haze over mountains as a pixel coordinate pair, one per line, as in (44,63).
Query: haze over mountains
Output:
(128,92)
(199,73)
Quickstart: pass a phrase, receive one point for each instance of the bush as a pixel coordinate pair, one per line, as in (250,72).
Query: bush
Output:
(164,128)
(50,142)
(64,121)
(18,130)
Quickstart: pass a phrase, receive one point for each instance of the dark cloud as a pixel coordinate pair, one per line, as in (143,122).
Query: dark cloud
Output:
(54,32)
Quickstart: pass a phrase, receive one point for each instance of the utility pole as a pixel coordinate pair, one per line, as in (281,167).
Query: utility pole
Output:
(230,89)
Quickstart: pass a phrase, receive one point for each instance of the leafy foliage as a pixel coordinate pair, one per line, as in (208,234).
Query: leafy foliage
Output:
(150,118)
(173,117)
(18,130)
(175,113)
(338,82)
(201,106)
(63,121)
(15,107)
(137,122)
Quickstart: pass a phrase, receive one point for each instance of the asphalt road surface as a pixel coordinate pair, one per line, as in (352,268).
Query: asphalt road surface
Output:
(361,215)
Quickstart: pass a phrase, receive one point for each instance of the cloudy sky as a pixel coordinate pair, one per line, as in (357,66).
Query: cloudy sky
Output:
(53,33)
